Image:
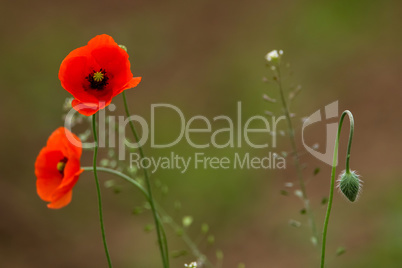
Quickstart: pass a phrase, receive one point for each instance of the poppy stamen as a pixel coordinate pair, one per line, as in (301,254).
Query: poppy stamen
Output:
(61,165)
(98,80)
(98,76)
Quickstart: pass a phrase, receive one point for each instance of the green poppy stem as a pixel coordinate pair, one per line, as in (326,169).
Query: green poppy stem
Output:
(99,191)
(173,224)
(163,246)
(121,175)
(334,163)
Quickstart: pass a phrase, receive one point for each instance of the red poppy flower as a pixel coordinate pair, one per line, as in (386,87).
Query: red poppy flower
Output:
(95,73)
(57,168)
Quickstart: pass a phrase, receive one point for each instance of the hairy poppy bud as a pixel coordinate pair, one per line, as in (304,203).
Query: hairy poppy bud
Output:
(350,185)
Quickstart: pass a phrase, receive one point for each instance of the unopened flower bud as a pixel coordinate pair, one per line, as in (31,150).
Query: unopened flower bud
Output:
(350,185)
(123,47)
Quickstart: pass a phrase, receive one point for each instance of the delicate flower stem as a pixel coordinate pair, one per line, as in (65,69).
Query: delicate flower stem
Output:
(296,157)
(99,191)
(121,175)
(127,178)
(193,247)
(334,164)
(173,224)
(159,227)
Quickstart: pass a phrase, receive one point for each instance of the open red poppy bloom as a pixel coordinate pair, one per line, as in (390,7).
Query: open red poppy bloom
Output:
(95,73)
(57,168)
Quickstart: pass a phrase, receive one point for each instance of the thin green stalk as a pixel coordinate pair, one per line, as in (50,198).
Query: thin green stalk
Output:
(99,192)
(122,175)
(163,247)
(173,224)
(296,158)
(332,186)
(127,178)
(193,247)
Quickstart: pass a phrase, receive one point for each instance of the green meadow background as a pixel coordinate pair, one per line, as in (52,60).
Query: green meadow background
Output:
(204,57)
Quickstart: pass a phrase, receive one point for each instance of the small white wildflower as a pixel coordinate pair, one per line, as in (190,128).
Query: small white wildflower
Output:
(191,265)
(273,55)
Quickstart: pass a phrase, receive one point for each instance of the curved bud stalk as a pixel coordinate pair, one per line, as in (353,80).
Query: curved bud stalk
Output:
(348,182)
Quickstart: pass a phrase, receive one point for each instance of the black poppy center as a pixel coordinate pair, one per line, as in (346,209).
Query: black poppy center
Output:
(98,80)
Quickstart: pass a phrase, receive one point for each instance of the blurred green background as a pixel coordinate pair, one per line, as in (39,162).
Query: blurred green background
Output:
(204,57)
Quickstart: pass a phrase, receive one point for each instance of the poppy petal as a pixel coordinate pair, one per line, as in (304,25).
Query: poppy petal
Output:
(87,108)
(66,186)
(101,40)
(62,202)
(72,75)
(132,83)
(48,177)
(71,172)
(114,61)
(65,141)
